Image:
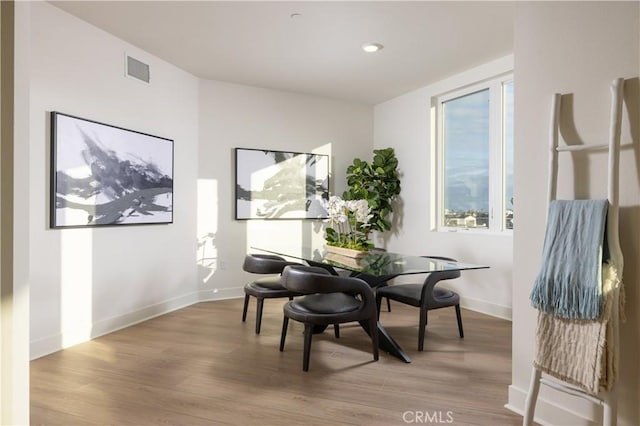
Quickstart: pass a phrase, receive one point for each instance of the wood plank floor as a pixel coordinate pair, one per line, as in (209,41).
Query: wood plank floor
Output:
(202,366)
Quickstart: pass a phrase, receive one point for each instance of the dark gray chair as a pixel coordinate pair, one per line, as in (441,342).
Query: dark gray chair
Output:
(265,287)
(328,299)
(425,296)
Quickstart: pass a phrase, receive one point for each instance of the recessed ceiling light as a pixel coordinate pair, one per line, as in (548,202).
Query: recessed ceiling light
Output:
(371,47)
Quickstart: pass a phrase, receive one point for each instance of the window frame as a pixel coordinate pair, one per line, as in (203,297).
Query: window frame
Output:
(497,155)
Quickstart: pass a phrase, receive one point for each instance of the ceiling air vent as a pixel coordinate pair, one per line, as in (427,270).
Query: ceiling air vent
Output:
(138,70)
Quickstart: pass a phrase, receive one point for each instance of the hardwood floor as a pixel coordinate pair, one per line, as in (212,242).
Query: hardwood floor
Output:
(203,366)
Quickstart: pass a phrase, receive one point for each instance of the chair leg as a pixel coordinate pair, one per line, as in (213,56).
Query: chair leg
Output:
(283,336)
(336,330)
(459,317)
(308,333)
(246,306)
(378,304)
(422,327)
(373,329)
(259,315)
(388,305)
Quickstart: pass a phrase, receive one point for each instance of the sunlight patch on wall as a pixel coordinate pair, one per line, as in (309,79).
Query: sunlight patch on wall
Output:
(76,286)
(316,235)
(207,227)
(286,235)
(289,236)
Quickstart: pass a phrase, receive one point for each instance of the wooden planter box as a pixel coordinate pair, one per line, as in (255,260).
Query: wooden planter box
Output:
(351,253)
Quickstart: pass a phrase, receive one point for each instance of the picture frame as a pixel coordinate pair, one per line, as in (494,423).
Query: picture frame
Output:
(104,175)
(280,184)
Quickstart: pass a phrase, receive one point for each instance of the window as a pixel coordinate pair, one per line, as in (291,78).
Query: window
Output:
(475,162)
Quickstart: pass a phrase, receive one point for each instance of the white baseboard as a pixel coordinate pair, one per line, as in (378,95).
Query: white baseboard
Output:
(547,413)
(220,294)
(45,346)
(485,307)
(54,343)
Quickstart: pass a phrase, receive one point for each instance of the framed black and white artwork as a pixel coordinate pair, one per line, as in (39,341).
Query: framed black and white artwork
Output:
(106,175)
(280,185)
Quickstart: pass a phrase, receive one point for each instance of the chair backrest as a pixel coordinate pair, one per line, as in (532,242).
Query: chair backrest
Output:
(312,279)
(265,264)
(435,277)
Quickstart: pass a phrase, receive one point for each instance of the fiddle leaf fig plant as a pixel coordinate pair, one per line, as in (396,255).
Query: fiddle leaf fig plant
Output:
(377,182)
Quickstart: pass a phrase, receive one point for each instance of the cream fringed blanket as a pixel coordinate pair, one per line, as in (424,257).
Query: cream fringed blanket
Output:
(580,352)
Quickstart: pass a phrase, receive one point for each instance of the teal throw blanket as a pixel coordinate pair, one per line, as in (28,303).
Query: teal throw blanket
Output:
(569,284)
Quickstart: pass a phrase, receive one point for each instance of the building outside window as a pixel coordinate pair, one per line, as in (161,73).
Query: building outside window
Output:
(475,157)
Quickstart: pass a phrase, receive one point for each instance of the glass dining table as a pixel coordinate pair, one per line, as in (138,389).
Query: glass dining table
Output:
(376,267)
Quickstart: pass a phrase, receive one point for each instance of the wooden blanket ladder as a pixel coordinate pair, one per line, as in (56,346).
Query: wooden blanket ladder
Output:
(607,399)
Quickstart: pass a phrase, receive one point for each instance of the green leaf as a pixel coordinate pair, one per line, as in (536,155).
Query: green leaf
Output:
(377,182)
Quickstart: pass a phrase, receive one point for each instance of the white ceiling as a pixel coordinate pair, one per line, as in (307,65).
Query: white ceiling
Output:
(318,52)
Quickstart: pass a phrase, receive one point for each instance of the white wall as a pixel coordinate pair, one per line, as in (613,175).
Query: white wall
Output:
(578,49)
(405,123)
(235,116)
(85,282)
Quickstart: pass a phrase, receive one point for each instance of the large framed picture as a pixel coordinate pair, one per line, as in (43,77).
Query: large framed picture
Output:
(280,185)
(106,175)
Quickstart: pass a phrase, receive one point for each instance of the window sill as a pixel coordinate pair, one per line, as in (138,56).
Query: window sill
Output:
(472,231)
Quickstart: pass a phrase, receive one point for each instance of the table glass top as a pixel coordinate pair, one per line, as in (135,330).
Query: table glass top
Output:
(374,262)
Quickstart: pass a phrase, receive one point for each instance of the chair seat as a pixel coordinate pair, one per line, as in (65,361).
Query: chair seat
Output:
(272,283)
(333,303)
(434,298)
(327,299)
(267,287)
(327,308)
(410,295)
